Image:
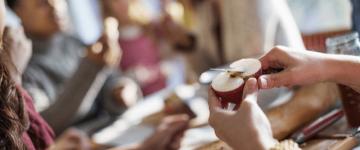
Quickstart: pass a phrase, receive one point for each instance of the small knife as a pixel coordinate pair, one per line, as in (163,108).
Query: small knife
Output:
(315,127)
(227,70)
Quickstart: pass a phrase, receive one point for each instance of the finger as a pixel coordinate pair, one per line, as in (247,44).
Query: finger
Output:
(265,61)
(251,88)
(70,133)
(176,123)
(176,142)
(268,59)
(275,80)
(176,119)
(274,57)
(172,131)
(84,141)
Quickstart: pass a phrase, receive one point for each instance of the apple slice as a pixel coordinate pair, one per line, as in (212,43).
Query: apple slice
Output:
(228,88)
(229,85)
(249,67)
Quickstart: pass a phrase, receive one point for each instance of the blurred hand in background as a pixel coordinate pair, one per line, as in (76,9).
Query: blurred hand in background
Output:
(72,139)
(247,128)
(19,48)
(107,50)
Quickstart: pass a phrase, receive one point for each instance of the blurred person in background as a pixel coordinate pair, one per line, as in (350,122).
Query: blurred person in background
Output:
(65,76)
(23,128)
(226,31)
(141,43)
(141,59)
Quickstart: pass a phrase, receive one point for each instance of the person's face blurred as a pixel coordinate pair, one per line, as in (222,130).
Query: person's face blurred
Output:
(39,17)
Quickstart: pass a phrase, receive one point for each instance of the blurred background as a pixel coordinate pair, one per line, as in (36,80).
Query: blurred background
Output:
(115,68)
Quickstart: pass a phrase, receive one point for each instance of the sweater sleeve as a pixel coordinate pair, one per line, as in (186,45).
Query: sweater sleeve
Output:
(77,96)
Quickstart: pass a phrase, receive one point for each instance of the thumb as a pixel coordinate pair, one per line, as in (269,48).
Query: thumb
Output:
(251,88)
(275,80)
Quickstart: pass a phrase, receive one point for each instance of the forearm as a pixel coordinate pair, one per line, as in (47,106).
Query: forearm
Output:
(343,70)
(78,95)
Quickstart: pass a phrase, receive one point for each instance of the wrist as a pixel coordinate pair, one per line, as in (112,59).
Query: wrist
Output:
(329,70)
(343,69)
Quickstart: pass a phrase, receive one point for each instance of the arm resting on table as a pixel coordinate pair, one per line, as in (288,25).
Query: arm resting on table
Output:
(77,96)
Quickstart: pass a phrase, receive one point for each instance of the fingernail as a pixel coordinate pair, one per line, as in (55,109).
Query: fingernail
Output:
(263,82)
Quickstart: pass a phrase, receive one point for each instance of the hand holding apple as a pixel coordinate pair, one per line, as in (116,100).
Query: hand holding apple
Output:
(229,85)
(247,128)
(72,139)
(302,67)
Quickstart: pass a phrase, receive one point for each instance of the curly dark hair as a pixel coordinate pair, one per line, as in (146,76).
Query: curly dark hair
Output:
(13,119)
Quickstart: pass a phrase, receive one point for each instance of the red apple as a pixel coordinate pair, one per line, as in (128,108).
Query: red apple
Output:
(228,86)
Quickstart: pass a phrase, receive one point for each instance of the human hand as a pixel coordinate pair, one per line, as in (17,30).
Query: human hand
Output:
(176,34)
(107,49)
(72,139)
(247,128)
(168,135)
(299,67)
(18,46)
(126,92)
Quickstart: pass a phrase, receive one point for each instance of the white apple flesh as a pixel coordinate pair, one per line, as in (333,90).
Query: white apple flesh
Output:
(228,86)
(249,67)
(228,89)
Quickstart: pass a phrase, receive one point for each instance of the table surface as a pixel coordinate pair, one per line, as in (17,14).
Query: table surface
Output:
(127,129)
(322,140)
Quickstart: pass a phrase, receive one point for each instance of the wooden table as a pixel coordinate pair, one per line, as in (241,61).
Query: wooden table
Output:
(127,130)
(326,138)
